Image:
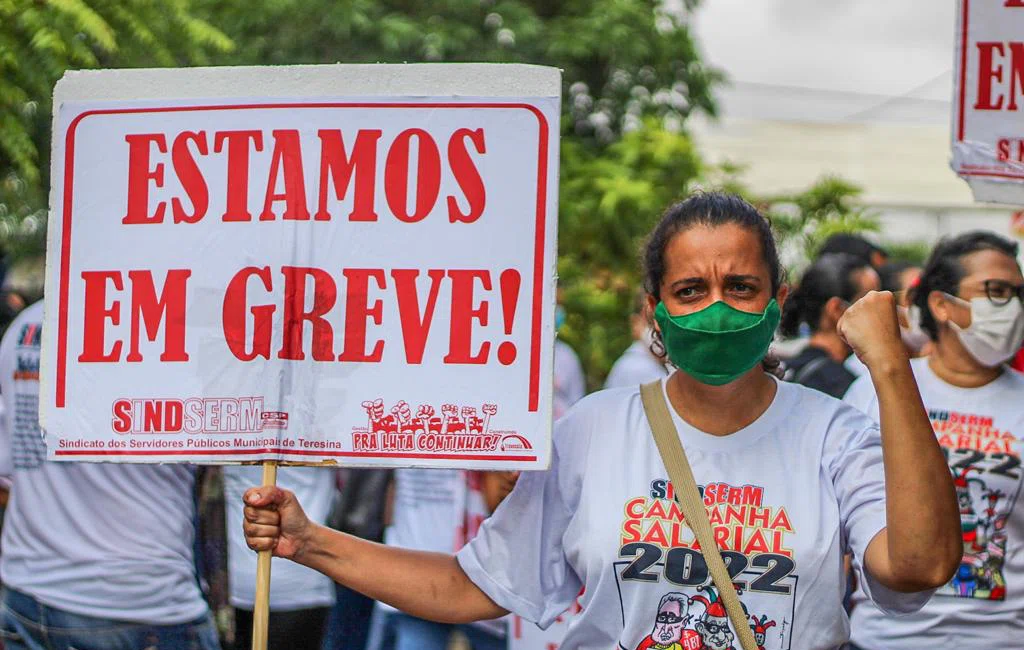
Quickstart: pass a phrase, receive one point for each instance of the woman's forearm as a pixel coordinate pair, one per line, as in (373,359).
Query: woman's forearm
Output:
(427,585)
(922,543)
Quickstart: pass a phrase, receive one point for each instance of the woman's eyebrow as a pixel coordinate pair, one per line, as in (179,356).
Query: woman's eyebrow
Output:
(742,278)
(694,280)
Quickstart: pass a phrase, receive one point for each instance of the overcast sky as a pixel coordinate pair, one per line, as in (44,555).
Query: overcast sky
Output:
(820,63)
(886,47)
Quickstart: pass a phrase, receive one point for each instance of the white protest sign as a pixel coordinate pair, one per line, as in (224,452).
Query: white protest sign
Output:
(320,263)
(988,118)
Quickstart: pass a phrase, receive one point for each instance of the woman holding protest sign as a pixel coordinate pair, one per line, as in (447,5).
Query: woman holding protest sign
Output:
(969,300)
(791,479)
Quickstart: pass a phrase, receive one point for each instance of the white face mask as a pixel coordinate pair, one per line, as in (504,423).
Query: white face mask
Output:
(996,332)
(913,336)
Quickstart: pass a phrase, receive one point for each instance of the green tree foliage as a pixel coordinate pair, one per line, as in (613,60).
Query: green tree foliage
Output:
(621,59)
(915,252)
(803,221)
(22,219)
(39,40)
(610,200)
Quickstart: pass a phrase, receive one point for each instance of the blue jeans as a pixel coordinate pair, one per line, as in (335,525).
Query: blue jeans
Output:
(413,633)
(26,624)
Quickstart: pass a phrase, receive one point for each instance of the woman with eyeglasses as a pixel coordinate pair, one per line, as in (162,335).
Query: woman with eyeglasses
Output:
(792,479)
(969,301)
(827,289)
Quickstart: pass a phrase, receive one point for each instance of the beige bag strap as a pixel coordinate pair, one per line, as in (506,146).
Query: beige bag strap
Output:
(679,472)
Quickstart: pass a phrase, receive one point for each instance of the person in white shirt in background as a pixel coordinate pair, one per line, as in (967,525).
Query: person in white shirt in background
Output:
(570,383)
(435,510)
(969,298)
(361,510)
(795,478)
(638,364)
(300,598)
(94,555)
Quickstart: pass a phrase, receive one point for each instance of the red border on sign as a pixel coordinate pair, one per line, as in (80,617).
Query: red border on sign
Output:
(538,251)
(963,68)
(962,102)
(286,452)
(995,174)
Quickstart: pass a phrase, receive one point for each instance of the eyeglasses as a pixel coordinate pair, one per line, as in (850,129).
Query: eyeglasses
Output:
(1000,292)
(669,618)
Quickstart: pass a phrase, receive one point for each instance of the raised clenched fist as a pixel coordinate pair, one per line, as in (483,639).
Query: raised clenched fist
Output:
(870,327)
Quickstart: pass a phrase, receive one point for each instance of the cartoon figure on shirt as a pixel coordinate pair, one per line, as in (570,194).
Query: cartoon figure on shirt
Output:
(993,523)
(965,582)
(980,573)
(974,539)
(669,625)
(760,628)
(993,582)
(713,626)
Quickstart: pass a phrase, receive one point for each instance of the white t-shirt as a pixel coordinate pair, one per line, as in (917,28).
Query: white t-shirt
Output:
(856,366)
(429,510)
(101,540)
(437,510)
(636,366)
(293,586)
(570,384)
(979,430)
(788,495)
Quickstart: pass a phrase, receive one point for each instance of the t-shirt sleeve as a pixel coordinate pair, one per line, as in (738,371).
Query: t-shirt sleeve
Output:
(861,396)
(630,371)
(578,382)
(518,558)
(858,478)
(7,367)
(6,463)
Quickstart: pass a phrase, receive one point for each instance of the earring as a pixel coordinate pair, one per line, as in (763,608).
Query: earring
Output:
(658,346)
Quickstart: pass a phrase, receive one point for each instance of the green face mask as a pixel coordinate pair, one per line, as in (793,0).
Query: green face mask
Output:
(719,343)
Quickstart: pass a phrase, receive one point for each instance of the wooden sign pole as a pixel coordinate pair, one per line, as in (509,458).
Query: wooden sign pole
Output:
(261,610)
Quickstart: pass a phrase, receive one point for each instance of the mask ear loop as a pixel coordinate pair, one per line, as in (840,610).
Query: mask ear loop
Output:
(963,303)
(949,296)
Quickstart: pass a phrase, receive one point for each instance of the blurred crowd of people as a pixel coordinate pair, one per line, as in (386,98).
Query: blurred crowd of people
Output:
(153,555)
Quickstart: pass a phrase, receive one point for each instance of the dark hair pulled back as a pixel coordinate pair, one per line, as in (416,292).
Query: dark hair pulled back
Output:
(831,276)
(944,269)
(708,209)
